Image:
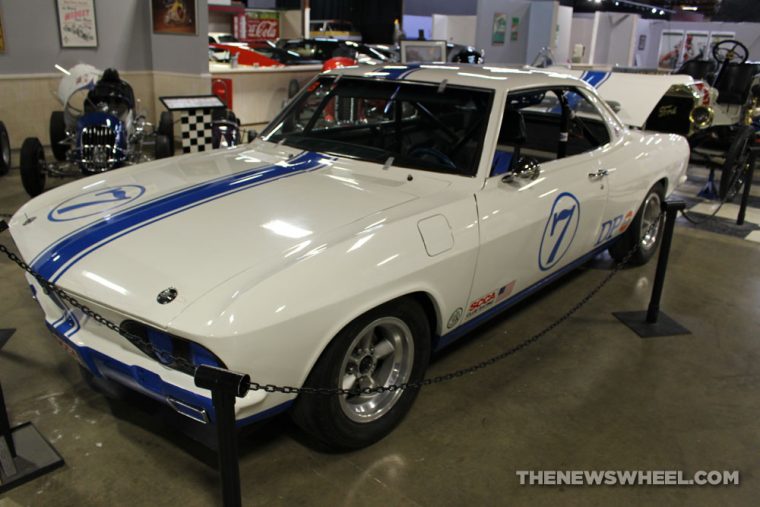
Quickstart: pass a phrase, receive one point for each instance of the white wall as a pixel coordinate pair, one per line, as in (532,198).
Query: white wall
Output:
(458,29)
(561,47)
(615,35)
(413,24)
(542,27)
(581,33)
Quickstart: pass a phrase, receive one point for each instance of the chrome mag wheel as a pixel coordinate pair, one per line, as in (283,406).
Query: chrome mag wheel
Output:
(381,354)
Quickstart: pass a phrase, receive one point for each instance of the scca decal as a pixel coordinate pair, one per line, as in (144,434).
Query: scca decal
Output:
(490,299)
(560,230)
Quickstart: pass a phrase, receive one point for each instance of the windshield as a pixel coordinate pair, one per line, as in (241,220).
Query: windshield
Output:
(422,126)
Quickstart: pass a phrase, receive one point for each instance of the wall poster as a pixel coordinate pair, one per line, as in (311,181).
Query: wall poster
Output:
(76,23)
(499,33)
(696,46)
(514,29)
(671,45)
(174,17)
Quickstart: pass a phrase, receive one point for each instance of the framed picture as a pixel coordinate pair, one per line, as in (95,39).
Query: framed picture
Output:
(423,51)
(642,42)
(76,23)
(174,16)
(499,32)
(671,46)
(696,46)
(2,35)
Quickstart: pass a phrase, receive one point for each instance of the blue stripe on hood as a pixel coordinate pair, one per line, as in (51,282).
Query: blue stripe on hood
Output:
(60,256)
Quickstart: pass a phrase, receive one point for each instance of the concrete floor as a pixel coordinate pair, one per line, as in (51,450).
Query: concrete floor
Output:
(591,395)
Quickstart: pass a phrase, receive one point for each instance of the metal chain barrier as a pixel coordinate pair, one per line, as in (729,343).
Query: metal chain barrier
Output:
(186,366)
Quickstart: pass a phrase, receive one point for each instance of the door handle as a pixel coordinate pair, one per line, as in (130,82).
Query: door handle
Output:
(599,173)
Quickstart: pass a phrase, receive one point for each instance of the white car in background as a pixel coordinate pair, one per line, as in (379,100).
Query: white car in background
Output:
(385,213)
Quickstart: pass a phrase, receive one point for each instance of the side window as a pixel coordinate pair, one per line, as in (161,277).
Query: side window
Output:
(547,124)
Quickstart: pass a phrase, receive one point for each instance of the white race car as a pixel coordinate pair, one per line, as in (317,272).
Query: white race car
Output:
(386,212)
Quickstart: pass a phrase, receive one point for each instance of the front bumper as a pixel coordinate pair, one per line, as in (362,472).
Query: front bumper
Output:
(115,359)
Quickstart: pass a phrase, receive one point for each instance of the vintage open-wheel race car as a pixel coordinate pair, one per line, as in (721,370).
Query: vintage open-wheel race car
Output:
(99,129)
(728,121)
(711,102)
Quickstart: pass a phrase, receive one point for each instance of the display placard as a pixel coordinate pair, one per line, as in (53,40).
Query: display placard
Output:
(423,51)
(182,103)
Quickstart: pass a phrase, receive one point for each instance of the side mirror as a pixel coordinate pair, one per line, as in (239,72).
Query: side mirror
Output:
(252,134)
(525,168)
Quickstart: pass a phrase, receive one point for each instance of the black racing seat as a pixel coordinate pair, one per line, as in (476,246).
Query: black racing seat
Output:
(698,69)
(513,132)
(112,90)
(734,82)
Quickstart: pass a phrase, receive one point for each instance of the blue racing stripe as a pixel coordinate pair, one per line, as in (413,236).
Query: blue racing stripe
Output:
(63,254)
(397,72)
(595,77)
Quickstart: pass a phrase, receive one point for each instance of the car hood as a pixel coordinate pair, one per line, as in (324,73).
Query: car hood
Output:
(196,221)
(636,95)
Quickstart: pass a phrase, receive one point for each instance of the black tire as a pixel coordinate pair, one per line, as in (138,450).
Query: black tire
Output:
(58,134)
(33,171)
(5,150)
(162,148)
(641,232)
(734,169)
(166,128)
(293,88)
(332,420)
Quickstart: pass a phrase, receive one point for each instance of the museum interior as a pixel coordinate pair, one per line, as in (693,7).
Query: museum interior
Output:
(435,252)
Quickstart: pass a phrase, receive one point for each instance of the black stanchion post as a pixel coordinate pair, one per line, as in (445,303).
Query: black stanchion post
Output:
(671,210)
(653,323)
(5,425)
(747,185)
(225,386)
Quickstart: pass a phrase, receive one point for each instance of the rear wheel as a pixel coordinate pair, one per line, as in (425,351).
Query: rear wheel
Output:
(734,169)
(645,230)
(389,345)
(58,134)
(162,147)
(33,166)
(166,128)
(5,150)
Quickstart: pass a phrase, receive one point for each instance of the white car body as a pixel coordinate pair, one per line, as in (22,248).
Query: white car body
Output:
(273,250)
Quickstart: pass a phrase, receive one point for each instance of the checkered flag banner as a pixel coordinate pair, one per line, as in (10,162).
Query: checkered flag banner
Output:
(196,130)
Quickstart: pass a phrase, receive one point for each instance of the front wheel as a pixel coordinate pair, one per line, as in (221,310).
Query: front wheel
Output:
(389,345)
(33,166)
(645,232)
(736,166)
(5,150)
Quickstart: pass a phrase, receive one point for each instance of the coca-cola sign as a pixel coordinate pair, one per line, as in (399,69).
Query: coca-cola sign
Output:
(257,26)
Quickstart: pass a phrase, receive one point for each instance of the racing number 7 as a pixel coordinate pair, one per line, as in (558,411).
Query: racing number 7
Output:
(566,215)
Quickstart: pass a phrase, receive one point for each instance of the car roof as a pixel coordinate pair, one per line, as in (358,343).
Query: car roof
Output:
(480,76)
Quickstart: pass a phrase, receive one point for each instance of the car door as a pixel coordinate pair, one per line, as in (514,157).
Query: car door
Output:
(535,226)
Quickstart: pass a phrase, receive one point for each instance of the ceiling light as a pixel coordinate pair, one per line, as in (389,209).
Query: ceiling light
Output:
(662,12)
(598,1)
(689,7)
(654,10)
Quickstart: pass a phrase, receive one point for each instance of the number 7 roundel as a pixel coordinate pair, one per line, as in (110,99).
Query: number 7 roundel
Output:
(560,230)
